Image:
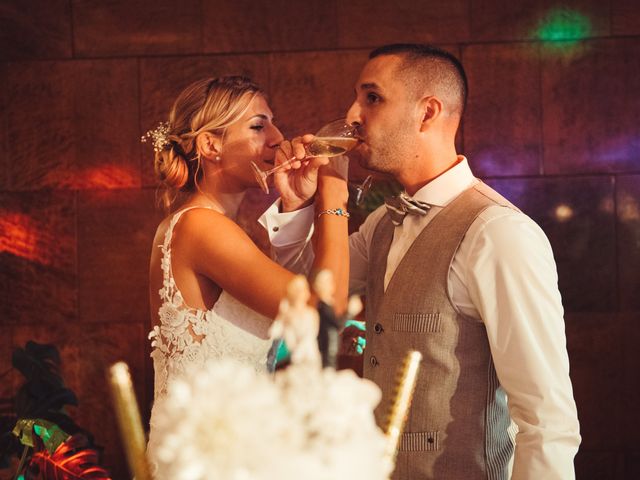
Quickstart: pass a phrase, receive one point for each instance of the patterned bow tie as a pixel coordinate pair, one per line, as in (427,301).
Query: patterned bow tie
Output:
(398,207)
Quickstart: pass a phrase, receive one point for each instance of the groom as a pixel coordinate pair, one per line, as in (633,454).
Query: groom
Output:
(454,270)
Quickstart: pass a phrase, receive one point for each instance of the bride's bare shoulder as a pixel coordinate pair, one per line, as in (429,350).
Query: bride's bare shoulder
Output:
(201,221)
(206,230)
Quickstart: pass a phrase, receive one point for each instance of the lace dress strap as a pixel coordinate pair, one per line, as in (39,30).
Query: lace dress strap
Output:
(169,290)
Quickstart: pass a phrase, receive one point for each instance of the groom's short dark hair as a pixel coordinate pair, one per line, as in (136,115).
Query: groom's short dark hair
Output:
(429,70)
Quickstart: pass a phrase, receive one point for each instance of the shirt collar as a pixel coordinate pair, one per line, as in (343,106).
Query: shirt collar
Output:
(444,188)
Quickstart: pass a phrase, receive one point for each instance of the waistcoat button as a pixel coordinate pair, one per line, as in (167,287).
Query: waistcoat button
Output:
(373,361)
(378,328)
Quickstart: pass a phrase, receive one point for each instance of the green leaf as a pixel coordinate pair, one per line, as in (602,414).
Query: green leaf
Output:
(72,460)
(50,433)
(24,431)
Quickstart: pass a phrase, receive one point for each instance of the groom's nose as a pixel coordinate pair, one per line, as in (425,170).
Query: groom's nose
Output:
(353,114)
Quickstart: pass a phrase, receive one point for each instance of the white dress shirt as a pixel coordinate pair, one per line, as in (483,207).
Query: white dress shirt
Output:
(504,275)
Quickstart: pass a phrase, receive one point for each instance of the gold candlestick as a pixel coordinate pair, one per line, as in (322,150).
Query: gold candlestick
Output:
(128,415)
(406,384)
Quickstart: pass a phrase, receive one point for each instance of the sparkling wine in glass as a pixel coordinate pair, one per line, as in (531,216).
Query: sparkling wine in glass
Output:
(331,146)
(335,138)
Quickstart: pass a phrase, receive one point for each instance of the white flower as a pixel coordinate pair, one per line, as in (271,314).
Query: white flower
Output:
(227,421)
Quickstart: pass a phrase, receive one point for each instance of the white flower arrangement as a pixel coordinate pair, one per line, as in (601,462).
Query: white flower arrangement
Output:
(229,422)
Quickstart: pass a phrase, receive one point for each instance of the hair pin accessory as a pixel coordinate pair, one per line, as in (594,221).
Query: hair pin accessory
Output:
(158,136)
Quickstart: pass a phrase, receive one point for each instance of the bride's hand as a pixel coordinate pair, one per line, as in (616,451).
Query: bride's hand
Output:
(298,181)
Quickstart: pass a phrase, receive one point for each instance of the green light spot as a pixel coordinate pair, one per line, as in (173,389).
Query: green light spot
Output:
(563,25)
(42,432)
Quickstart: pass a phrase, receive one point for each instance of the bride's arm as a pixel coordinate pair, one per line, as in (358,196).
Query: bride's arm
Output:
(328,180)
(217,248)
(331,233)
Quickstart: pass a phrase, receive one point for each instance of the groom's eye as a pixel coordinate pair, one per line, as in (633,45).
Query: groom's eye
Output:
(372,98)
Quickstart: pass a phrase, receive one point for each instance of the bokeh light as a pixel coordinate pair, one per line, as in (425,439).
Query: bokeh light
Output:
(563,25)
(563,212)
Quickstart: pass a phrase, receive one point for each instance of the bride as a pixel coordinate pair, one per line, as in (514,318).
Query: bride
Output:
(213,292)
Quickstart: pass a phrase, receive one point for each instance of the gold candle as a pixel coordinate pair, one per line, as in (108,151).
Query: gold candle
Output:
(408,375)
(128,416)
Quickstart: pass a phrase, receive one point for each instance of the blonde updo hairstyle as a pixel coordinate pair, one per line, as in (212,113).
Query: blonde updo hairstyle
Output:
(208,105)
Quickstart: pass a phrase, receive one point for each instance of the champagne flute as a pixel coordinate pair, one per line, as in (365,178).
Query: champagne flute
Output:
(335,138)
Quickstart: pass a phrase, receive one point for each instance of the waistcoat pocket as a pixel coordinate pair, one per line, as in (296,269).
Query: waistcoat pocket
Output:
(416,322)
(419,442)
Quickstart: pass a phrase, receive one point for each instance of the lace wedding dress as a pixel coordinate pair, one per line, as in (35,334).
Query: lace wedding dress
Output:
(187,338)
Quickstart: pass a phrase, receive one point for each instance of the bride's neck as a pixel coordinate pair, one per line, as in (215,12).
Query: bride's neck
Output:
(224,196)
(226,203)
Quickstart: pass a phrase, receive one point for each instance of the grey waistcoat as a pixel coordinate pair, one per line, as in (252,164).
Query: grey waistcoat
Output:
(457,426)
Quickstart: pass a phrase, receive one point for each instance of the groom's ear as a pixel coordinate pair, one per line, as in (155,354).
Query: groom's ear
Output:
(208,145)
(430,108)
